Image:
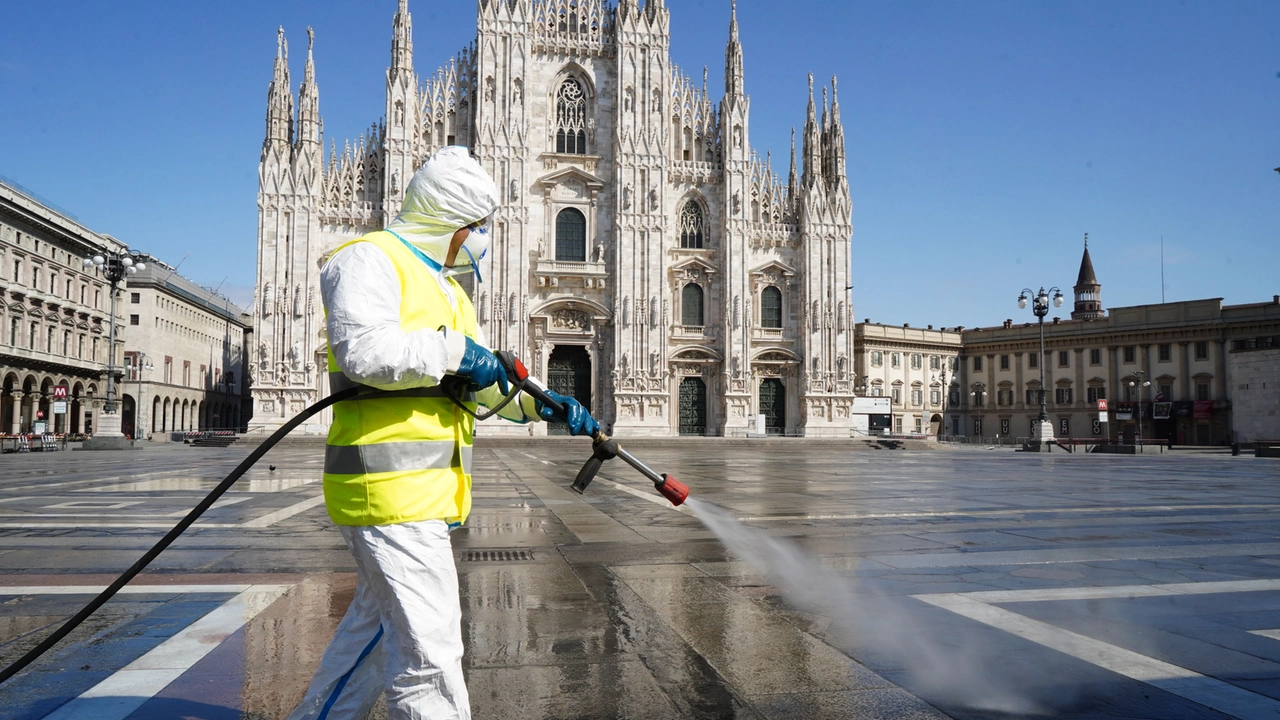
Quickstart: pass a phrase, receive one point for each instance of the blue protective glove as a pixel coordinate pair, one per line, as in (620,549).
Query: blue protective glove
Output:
(481,367)
(575,416)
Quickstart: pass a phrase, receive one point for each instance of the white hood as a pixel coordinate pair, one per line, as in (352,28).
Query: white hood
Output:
(451,191)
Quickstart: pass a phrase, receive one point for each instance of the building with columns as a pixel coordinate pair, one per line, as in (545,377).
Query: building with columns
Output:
(911,366)
(646,258)
(54,324)
(183,356)
(1208,365)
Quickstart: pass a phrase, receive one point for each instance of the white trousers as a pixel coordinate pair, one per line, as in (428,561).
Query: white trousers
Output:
(402,634)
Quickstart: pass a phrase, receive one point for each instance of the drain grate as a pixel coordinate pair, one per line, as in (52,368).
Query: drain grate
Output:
(498,555)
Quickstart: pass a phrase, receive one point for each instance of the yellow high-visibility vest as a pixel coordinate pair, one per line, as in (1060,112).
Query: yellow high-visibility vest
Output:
(406,456)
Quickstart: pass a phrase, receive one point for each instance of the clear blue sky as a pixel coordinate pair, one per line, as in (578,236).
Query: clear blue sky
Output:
(984,138)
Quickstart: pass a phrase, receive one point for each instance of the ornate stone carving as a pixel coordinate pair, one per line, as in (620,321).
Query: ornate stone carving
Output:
(570,320)
(513,309)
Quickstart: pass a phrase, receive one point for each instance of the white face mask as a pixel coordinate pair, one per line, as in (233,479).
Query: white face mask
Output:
(473,249)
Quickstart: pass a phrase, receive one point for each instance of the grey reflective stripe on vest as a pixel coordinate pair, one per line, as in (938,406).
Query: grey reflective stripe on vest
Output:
(339,381)
(391,457)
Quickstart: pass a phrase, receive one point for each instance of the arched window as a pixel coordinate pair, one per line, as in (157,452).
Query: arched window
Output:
(571,236)
(771,307)
(691,305)
(571,118)
(691,225)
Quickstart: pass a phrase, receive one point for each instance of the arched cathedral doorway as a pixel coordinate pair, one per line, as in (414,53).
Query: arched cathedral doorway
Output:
(693,406)
(569,373)
(773,406)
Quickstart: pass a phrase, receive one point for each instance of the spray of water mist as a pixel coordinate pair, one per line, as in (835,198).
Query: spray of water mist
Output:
(955,665)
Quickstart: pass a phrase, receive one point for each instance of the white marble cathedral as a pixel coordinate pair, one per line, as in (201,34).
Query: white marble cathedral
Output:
(645,259)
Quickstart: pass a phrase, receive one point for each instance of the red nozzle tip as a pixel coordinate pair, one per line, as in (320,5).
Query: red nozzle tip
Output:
(522,373)
(673,490)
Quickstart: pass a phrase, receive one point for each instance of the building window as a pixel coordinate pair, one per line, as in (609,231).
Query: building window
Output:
(919,427)
(1063,396)
(955,397)
(977,363)
(771,307)
(571,236)
(1130,354)
(1064,358)
(877,358)
(897,396)
(1033,396)
(80,346)
(1096,393)
(17,271)
(1095,356)
(691,225)
(571,118)
(31,337)
(1202,350)
(15,332)
(1033,360)
(168,369)
(979,397)
(48,340)
(691,305)
(935,397)
(1202,391)
(1164,393)
(134,320)
(934,362)
(916,362)
(917,397)
(66,343)
(1004,362)
(1165,352)
(135,298)
(1004,397)
(895,360)
(877,390)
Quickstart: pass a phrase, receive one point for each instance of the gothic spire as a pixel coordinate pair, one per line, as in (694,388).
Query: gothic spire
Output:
(812,142)
(836,140)
(733,75)
(309,98)
(793,182)
(280,96)
(402,41)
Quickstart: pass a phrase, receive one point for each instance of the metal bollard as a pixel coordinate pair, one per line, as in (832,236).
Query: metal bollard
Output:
(1235,449)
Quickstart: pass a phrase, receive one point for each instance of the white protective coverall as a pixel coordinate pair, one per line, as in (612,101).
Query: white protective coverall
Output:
(402,634)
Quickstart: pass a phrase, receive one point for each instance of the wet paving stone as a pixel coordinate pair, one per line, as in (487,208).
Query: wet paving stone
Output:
(609,605)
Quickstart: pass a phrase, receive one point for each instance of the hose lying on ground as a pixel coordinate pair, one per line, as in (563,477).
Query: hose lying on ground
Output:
(173,534)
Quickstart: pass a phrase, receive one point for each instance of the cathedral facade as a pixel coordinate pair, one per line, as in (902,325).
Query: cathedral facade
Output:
(645,258)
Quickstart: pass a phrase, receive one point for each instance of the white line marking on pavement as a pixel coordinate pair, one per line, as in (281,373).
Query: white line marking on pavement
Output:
(130,687)
(1273,634)
(1202,689)
(1013,511)
(1050,556)
(272,518)
(93,505)
(1124,591)
(91,526)
(656,499)
(126,590)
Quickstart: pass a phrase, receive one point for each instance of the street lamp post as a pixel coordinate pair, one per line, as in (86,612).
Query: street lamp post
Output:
(1138,382)
(142,362)
(115,267)
(1040,306)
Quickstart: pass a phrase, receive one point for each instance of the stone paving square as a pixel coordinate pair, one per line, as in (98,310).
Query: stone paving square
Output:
(939,583)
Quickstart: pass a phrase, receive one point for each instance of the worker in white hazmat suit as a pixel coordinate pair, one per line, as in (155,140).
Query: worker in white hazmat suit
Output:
(397,471)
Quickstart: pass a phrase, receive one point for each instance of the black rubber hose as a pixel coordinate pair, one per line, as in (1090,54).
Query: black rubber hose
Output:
(173,534)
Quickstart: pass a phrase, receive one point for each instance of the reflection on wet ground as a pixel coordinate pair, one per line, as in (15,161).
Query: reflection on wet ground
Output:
(609,605)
